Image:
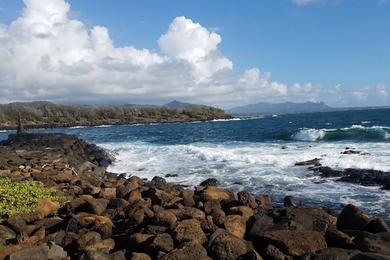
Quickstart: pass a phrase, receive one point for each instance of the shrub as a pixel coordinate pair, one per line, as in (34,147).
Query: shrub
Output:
(22,196)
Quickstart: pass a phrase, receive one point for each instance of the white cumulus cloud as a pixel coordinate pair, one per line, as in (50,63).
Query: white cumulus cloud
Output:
(46,55)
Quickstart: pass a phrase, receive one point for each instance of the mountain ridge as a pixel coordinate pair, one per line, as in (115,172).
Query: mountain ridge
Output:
(281,108)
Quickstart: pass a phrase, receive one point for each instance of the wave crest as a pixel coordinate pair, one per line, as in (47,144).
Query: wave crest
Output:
(355,132)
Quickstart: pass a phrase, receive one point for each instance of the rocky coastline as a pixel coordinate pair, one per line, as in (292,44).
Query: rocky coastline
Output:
(111,216)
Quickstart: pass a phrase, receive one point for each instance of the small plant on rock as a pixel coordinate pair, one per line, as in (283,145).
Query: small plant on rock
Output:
(23,196)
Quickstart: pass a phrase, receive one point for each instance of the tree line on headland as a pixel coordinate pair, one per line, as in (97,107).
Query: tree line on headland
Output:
(47,114)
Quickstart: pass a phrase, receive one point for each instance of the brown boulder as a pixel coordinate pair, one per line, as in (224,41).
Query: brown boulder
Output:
(96,206)
(46,207)
(189,230)
(6,234)
(236,225)
(139,256)
(336,254)
(375,243)
(264,201)
(352,217)
(123,190)
(225,246)
(44,251)
(295,243)
(164,218)
(108,193)
(188,250)
(188,213)
(273,253)
(377,225)
(246,199)
(161,242)
(244,211)
(214,193)
(337,238)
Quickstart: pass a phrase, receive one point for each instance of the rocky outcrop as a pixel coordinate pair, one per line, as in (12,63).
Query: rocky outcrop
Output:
(109,216)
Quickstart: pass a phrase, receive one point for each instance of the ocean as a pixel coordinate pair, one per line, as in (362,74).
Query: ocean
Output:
(257,154)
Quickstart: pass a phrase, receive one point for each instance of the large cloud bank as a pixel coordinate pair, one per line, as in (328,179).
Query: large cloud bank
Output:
(46,55)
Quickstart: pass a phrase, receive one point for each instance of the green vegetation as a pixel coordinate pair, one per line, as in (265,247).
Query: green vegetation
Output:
(22,196)
(50,114)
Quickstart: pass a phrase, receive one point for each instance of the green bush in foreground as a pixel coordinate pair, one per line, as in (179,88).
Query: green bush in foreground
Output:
(22,196)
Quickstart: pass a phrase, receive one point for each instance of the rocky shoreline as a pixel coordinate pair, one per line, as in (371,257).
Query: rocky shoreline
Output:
(111,122)
(110,216)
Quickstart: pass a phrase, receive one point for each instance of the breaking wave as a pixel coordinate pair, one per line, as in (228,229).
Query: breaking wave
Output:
(353,133)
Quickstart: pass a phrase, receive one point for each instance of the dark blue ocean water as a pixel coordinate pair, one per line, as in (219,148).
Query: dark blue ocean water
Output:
(257,154)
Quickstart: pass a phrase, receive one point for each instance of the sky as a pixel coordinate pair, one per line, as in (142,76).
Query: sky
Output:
(223,53)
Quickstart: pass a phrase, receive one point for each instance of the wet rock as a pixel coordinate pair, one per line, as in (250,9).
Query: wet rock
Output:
(188,250)
(295,243)
(353,218)
(223,245)
(290,201)
(377,225)
(189,230)
(246,199)
(171,175)
(96,206)
(6,234)
(313,162)
(236,225)
(209,182)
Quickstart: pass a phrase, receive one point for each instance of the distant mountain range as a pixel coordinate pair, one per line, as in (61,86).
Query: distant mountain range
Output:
(280,108)
(181,105)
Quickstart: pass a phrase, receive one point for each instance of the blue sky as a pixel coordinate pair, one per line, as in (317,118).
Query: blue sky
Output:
(326,43)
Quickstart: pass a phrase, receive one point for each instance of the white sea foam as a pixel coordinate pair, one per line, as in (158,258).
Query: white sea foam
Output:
(258,167)
(103,126)
(309,134)
(227,120)
(77,127)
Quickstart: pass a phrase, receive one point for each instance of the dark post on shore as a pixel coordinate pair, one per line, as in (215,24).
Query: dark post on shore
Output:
(20,129)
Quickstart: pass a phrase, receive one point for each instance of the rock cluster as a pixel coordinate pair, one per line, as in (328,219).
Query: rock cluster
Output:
(109,216)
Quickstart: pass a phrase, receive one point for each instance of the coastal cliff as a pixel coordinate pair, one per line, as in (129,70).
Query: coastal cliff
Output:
(108,216)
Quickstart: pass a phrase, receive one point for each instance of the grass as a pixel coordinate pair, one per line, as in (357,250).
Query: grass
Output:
(22,196)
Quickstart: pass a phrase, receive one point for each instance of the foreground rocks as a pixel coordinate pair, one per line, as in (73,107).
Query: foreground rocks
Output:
(113,217)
